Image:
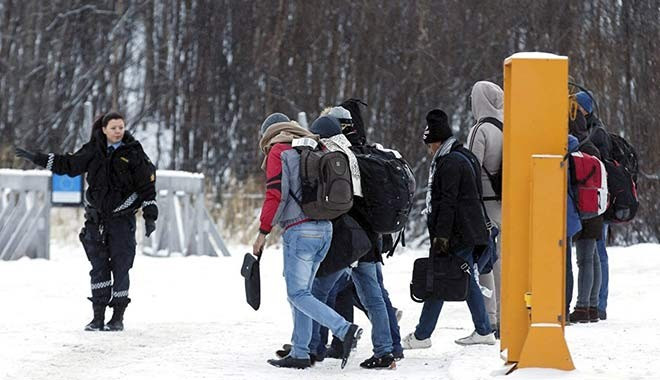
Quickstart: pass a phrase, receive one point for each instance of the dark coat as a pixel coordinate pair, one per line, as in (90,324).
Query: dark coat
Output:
(456,209)
(591,228)
(112,178)
(599,136)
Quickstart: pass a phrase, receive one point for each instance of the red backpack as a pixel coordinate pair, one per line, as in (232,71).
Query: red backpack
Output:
(589,176)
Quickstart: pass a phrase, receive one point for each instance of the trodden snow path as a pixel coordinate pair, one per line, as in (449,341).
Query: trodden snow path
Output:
(189,320)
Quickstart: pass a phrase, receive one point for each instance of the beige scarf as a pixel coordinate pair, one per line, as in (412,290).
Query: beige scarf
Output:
(279,133)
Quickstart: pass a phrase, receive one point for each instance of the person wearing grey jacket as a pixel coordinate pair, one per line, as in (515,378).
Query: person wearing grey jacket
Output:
(485,141)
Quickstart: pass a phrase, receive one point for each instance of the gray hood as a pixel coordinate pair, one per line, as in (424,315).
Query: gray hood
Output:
(487,100)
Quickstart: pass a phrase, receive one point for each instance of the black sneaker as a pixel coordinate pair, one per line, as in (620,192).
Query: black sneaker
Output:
(580,315)
(397,355)
(289,362)
(334,352)
(385,362)
(350,342)
(602,315)
(284,352)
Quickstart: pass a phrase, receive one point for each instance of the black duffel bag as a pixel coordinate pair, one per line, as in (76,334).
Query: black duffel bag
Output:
(447,278)
(250,271)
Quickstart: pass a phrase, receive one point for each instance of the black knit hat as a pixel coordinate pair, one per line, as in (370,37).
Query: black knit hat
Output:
(437,127)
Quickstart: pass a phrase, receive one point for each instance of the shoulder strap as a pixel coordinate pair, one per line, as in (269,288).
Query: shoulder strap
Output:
(493,121)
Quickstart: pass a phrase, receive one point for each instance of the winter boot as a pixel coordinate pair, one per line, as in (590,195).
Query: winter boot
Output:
(476,338)
(580,315)
(350,342)
(593,314)
(116,323)
(99,317)
(602,314)
(384,362)
(335,351)
(410,342)
(284,352)
(289,362)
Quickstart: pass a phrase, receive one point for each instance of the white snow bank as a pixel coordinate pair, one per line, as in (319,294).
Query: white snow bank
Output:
(189,320)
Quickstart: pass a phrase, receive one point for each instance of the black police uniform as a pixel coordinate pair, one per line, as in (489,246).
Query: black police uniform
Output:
(120,181)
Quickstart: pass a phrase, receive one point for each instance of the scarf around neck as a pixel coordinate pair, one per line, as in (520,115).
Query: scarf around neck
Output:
(279,133)
(444,150)
(340,143)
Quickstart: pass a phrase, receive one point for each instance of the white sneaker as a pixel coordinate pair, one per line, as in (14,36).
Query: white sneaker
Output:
(475,338)
(410,342)
(399,314)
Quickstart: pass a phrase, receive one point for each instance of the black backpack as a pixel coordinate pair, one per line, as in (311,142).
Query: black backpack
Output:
(327,187)
(624,153)
(495,179)
(388,186)
(349,243)
(623,193)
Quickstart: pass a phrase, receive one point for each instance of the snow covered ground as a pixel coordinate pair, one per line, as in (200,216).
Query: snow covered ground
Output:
(189,320)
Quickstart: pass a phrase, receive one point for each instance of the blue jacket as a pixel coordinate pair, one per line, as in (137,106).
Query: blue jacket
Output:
(573,224)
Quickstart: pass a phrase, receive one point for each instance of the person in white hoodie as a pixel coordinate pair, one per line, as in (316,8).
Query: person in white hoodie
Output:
(485,141)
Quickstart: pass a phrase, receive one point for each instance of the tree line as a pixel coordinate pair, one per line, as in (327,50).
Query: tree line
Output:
(200,75)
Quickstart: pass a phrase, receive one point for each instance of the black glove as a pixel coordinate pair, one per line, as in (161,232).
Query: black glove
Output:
(149,226)
(440,246)
(25,154)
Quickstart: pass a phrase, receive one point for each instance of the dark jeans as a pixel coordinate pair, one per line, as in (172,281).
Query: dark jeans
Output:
(114,259)
(569,274)
(601,246)
(475,300)
(391,314)
(589,276)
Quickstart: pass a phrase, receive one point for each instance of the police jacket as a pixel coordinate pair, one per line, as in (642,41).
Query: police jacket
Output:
(120,181)
(456,210)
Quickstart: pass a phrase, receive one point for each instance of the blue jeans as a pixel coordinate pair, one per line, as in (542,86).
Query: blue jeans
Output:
(391,313)
(475,300)
(365,278)
(322,290)
(589,276)
(305,246)
(601,246)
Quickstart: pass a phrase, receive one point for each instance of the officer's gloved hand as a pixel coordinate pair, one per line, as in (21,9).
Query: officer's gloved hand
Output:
(440,246)
(149,226)
(26,154)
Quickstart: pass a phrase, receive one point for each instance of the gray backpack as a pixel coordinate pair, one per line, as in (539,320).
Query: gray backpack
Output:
(327,187)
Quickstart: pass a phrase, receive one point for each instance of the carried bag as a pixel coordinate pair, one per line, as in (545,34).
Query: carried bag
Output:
(388,185)
(349,243)
(589,176)
(250,271)
(440,276)
(625,154)
(487,256)
(327,187)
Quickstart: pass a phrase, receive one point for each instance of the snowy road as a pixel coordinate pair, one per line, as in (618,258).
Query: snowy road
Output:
(188,320)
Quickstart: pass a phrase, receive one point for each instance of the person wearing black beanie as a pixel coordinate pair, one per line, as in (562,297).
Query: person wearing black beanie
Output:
(437,127)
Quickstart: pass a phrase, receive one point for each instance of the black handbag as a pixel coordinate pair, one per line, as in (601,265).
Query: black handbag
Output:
(250,270)
(440,276)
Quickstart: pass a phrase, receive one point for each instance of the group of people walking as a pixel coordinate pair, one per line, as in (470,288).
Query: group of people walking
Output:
(333,265)
(456,223)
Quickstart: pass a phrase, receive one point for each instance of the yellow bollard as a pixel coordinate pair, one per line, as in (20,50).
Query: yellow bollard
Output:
(534,210)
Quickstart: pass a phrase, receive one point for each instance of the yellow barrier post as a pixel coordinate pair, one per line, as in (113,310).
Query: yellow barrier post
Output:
(533,215)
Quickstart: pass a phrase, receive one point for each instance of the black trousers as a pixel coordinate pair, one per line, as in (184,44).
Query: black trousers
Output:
(110,248)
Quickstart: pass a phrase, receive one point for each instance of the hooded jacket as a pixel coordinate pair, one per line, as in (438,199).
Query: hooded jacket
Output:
(485,139)
(119,182)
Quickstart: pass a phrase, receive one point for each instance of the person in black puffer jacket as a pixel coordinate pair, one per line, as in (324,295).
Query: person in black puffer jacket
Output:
(121,179)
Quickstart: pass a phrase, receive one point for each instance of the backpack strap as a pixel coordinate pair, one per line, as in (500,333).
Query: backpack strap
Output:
(499,126)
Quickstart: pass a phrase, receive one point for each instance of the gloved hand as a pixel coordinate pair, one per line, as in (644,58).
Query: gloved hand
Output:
(26,154)
(440,246)
(149,226)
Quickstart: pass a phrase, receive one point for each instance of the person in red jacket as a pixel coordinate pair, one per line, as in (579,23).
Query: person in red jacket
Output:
(306,241)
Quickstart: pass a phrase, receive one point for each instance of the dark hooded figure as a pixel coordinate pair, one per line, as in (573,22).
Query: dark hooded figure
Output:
(121,180)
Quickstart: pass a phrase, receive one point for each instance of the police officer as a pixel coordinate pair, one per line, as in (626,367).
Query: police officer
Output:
(121,180)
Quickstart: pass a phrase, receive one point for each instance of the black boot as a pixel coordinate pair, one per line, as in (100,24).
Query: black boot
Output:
(289,362)
(116,323)
(350,342)
(384,362)
(99,317)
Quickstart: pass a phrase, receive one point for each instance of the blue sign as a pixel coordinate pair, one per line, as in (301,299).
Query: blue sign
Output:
(67,190)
